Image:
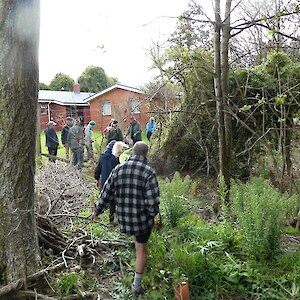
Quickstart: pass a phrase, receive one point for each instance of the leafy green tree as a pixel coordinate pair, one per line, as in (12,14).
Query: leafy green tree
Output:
(189,129)
(94,79)
(62,82)
(44,86)
(266,99)
(180,66)
(112,81)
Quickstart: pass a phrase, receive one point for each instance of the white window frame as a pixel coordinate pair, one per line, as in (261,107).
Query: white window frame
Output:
(106,108)
(135,105)
(43,107)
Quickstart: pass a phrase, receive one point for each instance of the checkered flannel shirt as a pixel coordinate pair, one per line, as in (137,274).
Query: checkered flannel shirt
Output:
(134,187)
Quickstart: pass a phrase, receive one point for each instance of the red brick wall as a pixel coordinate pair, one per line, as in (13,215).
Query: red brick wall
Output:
(43,116)
(86,114)
(58,114)
(120,109)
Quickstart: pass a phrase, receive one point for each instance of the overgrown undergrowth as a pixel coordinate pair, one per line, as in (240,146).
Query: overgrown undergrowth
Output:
(216,256)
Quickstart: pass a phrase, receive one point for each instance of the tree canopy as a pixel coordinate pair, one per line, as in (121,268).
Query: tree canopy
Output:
(44,86)
(260,99)
(62,82)
(94,79)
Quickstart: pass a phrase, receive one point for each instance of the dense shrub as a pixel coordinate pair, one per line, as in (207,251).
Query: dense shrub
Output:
(261,210)
(174,198)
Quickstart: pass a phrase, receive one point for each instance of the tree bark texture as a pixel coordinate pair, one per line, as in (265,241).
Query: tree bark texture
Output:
(218,86)
(19,38)
(221,67)
(227,117)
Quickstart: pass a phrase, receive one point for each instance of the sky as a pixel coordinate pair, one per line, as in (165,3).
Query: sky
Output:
(112,34)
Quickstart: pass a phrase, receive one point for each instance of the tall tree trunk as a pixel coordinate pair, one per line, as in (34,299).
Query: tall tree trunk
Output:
(38,150)
(287,173)
(218,86)
(225,98)
(221,67)
(19,37)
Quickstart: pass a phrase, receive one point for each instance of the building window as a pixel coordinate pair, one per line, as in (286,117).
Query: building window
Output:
(106,108)
(71,111)
(135,106)
(43,108)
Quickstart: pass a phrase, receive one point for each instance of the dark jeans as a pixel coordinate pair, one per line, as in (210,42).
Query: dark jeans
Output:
(149,135)
(52,151)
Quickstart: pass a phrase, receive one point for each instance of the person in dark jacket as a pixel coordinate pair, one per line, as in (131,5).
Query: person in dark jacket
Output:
(64,136)
(106,164)
(76,142)
(114,133)
(134,130)
(51,140)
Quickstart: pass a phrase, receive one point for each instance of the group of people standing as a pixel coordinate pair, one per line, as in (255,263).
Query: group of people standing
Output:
(128,185)
(73,137)
(134,131)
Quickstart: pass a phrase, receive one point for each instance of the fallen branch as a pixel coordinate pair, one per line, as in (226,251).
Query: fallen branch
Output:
(48,245)
(68,216)
(61,194)
(32,294)
(17,285)
(85,295)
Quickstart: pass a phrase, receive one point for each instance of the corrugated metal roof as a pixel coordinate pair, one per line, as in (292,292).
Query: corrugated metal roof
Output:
(116,86)
(64,97)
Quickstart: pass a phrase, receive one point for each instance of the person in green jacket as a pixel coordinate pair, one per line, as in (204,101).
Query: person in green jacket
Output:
(114,133)
(134,130)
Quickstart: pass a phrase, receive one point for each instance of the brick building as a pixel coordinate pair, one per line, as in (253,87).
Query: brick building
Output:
(118,102)
(58,105)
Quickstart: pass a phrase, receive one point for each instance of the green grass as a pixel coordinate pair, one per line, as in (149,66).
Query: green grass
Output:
(97,135)
(99,142)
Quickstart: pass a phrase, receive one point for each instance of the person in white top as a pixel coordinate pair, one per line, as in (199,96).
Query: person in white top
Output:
(89,140)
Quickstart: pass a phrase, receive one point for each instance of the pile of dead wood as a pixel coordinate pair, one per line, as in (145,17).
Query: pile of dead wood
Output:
(62,193)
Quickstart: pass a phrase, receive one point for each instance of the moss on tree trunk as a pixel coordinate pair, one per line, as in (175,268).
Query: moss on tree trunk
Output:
(19,36)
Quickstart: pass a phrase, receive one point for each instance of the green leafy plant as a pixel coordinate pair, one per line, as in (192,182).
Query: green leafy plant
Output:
(260,210)
(121,292)
(174,196)
(68,283)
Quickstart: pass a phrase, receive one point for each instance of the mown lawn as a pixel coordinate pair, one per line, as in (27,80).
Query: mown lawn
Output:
(97,135)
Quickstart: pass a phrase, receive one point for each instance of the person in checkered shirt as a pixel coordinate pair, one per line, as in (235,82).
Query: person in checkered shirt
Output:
(134,187)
